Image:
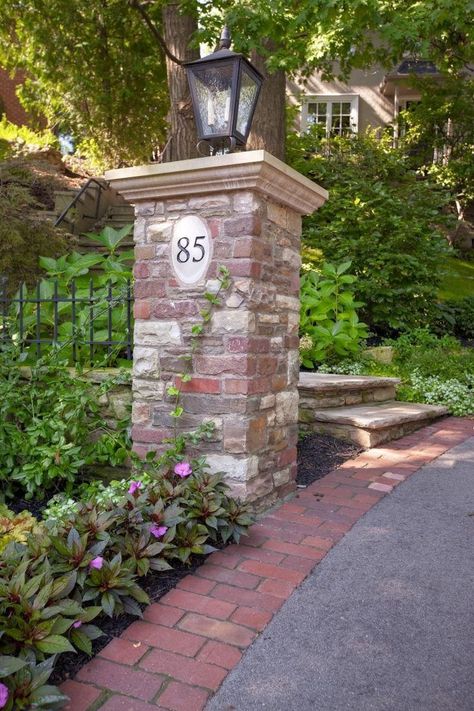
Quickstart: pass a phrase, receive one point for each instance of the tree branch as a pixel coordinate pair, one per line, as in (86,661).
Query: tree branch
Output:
(151,26)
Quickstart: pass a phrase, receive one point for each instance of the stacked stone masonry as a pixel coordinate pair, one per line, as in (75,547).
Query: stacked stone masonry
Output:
(245,371)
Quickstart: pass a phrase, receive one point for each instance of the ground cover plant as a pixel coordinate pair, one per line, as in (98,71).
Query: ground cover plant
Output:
(53,432)
(67,571)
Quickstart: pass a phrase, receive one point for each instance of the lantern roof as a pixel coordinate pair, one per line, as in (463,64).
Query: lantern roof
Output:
(223,53)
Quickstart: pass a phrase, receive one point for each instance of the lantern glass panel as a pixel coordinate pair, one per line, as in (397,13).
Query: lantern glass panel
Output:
(213,90)
(247,98)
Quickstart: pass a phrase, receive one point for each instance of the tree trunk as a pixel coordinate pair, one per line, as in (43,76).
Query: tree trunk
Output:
(269,126)
(177,30)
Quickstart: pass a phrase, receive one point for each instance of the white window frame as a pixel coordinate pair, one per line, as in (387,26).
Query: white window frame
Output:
(329,99)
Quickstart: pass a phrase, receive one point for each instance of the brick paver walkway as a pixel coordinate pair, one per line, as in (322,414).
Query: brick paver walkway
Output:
(179,654)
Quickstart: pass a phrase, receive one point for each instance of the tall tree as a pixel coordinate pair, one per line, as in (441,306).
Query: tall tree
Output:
(179,26)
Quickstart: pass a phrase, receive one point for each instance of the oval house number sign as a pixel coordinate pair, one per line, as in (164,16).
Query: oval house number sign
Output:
(190,249)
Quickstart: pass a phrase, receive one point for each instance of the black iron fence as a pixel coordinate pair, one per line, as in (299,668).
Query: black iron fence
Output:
(86,322)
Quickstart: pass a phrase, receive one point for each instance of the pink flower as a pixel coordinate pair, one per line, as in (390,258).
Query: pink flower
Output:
(134,486)
(97,563)
(77,624)
(158,531)
(4,693)
(183,469)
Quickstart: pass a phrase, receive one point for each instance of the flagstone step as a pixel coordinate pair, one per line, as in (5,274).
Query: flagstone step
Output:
(374,423)
(321,390)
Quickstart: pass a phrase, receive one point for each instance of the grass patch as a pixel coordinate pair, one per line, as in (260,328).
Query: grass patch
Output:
(458,279)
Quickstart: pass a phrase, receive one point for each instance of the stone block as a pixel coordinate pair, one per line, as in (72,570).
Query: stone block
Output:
(217,405)
(245,202)
(146,362)
(234,301)
(157,333)
(151,390)
(277,214)
(241,322)
(208,203)
(282,476)
(291,258)
(242,226)
(140,413)
(144,251)
(287,407)
(120,404)
(267,401)
(159,231)
(235,469)
(292,303)
(145,209)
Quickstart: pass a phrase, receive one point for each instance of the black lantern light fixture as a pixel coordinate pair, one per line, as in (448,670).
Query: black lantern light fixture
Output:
(224,91)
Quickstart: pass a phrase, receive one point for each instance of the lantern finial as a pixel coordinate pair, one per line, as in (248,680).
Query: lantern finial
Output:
(225,40)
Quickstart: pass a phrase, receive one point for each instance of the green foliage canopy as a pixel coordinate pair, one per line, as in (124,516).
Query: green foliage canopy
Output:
(92,70)
(313,34)
(382,217)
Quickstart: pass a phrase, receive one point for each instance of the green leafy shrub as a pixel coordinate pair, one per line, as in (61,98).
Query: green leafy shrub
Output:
(51,429)
(97,281)
(428,355)
(329,324)
(462,311)
(382,216)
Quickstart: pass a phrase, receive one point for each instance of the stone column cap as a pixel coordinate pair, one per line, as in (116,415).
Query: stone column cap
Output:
(257,171)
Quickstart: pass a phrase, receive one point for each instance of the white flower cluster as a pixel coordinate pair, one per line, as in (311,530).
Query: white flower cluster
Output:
(453,394)
(345,367)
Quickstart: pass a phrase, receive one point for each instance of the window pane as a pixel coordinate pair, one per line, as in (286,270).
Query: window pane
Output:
(248,93)
(336,107)
(212,86)
(322,108)
(346,108)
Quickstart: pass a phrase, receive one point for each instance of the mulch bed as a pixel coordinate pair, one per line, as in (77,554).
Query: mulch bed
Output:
(317,456)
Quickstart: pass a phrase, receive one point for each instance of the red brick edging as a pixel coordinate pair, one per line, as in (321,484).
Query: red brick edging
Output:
(179,654)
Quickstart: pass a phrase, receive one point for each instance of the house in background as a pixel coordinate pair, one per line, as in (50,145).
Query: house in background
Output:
(9,103)
(369,98)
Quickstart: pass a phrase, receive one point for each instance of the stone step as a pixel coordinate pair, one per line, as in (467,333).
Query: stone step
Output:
(371,424)
(320,390)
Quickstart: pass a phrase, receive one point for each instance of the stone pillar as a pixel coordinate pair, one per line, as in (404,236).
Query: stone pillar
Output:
(245,371)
